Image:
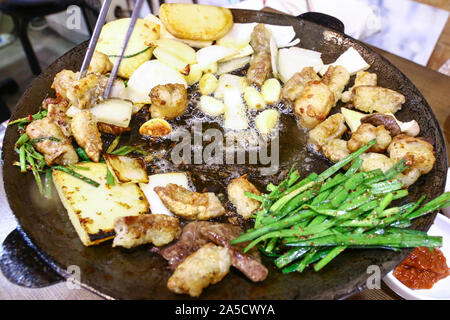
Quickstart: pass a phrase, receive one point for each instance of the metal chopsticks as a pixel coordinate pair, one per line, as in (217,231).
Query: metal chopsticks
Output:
(112,76)
(95,35)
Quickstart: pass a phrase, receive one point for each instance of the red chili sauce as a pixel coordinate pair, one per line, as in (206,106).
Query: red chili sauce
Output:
(422,269)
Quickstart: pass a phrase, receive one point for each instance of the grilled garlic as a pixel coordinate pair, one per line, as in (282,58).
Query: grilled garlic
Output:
(271,90)
(211,106)
(266,121)
(253,98)
(194,75)
(208,84)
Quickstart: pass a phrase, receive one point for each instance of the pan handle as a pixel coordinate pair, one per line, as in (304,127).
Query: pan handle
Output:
(324,20)
(21,265)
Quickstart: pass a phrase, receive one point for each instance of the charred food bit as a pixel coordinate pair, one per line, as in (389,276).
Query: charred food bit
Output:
(189,204)
(159,229)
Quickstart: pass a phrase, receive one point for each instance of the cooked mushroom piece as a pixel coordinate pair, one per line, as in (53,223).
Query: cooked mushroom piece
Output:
(388,121)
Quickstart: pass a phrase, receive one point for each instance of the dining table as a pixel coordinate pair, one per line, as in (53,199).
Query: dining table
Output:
(434,86)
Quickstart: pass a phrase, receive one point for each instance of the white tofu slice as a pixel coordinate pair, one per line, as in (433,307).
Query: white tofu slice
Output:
(93,210)
(161,180)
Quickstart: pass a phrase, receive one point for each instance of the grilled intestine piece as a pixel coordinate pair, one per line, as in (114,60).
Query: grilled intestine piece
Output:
(378,99)
(332,128)
(159,229)
(367,132)
(363,78)
(82,93)
(57,108)
(260,65)
(189,204)
(86,134)
(314,104)
(208,265)
(198,233)
(336,150)
(245,206)
(336,78)
(295,85)
(169,101)
(52,143)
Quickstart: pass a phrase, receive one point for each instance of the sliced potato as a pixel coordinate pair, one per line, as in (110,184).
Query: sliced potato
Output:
(155,128)
(253,98)
(149,75)
(177,48)
(208,84)
(137,51)
(211,106)
(171,60)
(113,111)
(271,90)
(266,121)
(196,22)
(126,169)
(195,74)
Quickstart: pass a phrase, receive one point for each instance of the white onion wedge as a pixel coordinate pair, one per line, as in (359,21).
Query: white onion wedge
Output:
(244,52)
(235,117)
(149,75)
(209,55)
(231,65)
(171,60)
(177,48)
(350,60)
(274,56)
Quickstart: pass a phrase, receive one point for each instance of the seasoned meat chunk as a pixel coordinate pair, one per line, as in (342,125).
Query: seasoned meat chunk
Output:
(363,78)
(82,93)
(314,104)
(196,234)
(373,161)
(169,101)
(57,113)
(260,39)
(418,152)
(86,134)
(370,99)
(208,265)
(336,78)
(367,132)
(260,67)
(244,205)
(53,144)
(332,128)
(100,63)
(295,85)
(189,204)
(336,150)
(159,229)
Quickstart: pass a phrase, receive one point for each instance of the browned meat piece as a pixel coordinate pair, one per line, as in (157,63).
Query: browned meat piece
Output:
(111,129)
(196,234)
(86,134)
(336,150)
(259,69)
(363,78)
(55,152)
(260,39)
(295,85)
(367,132)
(336,78)
(100,63)
(169,101)
(57,113)
(158,229)
(81,93)
(370,99)
(189,204)
(314,104)
(244,205)
(208,265)
(332,128)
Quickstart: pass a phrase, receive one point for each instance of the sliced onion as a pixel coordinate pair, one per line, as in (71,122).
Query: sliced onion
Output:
(209,55)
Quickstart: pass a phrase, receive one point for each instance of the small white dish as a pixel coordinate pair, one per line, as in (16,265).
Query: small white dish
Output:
(441,289)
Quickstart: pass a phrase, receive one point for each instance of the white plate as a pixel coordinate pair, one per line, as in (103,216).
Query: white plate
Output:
(441,290)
